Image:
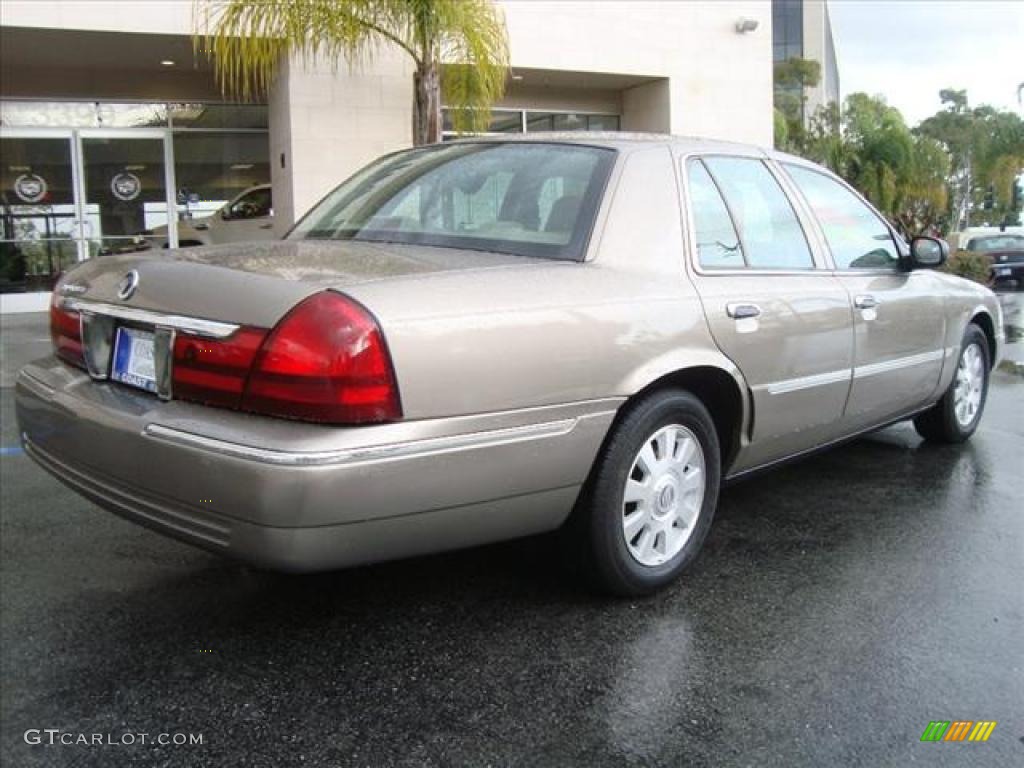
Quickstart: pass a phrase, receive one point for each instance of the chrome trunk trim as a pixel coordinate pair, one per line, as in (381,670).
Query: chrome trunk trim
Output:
(213,329)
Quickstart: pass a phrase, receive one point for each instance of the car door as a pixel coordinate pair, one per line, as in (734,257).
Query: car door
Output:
(771,304)
(899,318)
(247,218)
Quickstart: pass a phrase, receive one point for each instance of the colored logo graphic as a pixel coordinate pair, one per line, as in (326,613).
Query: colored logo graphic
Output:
(125,186)
(30,187)
(958,730)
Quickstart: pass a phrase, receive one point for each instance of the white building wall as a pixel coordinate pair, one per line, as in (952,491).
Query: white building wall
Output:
(698,75)
(720,82)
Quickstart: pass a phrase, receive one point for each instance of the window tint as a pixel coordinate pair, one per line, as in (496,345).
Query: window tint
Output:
(253,205)
(717,242)
(857,237)
(525,199)
(771,234)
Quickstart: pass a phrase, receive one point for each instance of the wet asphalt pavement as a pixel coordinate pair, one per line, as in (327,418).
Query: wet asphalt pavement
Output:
(839,605)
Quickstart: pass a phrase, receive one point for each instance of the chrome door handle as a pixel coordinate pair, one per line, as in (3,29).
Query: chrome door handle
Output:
(865,302)
(739,311)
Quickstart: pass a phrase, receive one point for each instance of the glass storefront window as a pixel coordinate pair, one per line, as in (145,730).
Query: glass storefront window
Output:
(121,200)
(37,212)
(81,114)
(570,121)
(125,192)
(213,168)
(511,121)
(220,116)
(502,121)
(603,123)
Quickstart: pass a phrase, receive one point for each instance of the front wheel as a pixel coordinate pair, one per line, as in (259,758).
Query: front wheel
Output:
(955,417)
(649,502)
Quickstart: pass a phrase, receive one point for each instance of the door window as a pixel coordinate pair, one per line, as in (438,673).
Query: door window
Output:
(38,225)
(718,245)
(253,205)
(768,227)
(857,237)
(125,192)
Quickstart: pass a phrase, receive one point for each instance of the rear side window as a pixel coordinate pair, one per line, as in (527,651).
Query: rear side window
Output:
(856,236)
(718,245)
(770,232)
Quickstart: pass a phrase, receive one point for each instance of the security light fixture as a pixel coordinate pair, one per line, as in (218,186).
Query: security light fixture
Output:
(744,25)
(167,62)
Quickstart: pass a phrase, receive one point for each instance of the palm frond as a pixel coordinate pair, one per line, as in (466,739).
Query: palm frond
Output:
(474,48)
(247,39)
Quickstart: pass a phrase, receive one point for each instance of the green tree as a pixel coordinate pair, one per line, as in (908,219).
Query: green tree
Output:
(985,145)
(922,202)
(459,48)
(881,150)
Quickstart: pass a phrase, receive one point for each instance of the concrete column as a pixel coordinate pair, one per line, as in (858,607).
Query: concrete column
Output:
(326,123)
(647,108)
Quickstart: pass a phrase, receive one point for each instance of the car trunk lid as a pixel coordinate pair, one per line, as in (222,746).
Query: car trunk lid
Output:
(256,283)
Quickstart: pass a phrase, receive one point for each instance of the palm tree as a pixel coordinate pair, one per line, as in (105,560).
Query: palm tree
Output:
(248,38)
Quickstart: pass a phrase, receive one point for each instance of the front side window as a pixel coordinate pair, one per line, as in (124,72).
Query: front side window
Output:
(718,245)
(527,199)
(768,227)
(252,205)
(857,237)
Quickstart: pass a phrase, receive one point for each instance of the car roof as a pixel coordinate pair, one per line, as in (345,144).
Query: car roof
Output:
(627,139)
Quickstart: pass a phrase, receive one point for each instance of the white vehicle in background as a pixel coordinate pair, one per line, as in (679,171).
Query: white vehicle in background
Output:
(959,240)
(248,217)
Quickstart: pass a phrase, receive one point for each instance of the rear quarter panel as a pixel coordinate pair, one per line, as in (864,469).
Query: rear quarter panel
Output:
(537,334)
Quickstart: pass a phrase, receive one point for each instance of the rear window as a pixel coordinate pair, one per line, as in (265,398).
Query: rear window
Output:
(524,199)
(996,243)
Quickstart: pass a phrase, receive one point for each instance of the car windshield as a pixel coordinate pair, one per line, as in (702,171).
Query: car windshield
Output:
(526,199)
(996,243)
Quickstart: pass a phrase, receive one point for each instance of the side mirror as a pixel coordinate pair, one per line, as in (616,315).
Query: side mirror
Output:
(225,214)
(928,252)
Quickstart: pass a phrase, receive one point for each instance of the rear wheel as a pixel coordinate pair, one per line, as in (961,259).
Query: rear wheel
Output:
(955,417)
(651,497)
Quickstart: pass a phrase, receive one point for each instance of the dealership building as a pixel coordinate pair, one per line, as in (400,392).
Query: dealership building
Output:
(111,126)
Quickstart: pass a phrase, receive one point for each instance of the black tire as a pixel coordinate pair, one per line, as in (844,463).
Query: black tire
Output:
(939,423)
(596,528)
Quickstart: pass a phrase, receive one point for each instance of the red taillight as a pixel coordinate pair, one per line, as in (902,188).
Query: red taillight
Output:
(213,371)
(66,333)
(325,361)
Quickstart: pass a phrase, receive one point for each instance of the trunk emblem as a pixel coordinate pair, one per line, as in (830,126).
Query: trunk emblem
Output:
(127,286)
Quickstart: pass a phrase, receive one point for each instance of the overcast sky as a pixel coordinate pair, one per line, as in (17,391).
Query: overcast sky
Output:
(907,50)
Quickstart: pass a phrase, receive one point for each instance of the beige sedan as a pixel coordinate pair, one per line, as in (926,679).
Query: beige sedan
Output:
(489,339)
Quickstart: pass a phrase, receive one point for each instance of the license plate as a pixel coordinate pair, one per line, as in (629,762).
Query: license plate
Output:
(1003,271)
(134,362)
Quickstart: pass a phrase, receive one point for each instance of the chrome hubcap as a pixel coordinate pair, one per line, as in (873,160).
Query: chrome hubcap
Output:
(970,382)
(663,496)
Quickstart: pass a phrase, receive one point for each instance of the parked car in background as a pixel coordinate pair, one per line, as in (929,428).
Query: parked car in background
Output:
(487,339)
(1006,252)
(248,217)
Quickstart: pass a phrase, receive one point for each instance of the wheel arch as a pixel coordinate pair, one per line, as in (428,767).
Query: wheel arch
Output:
(983,320)
(717,383)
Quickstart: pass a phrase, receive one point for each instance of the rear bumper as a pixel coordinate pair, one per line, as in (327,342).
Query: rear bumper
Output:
(302,497)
